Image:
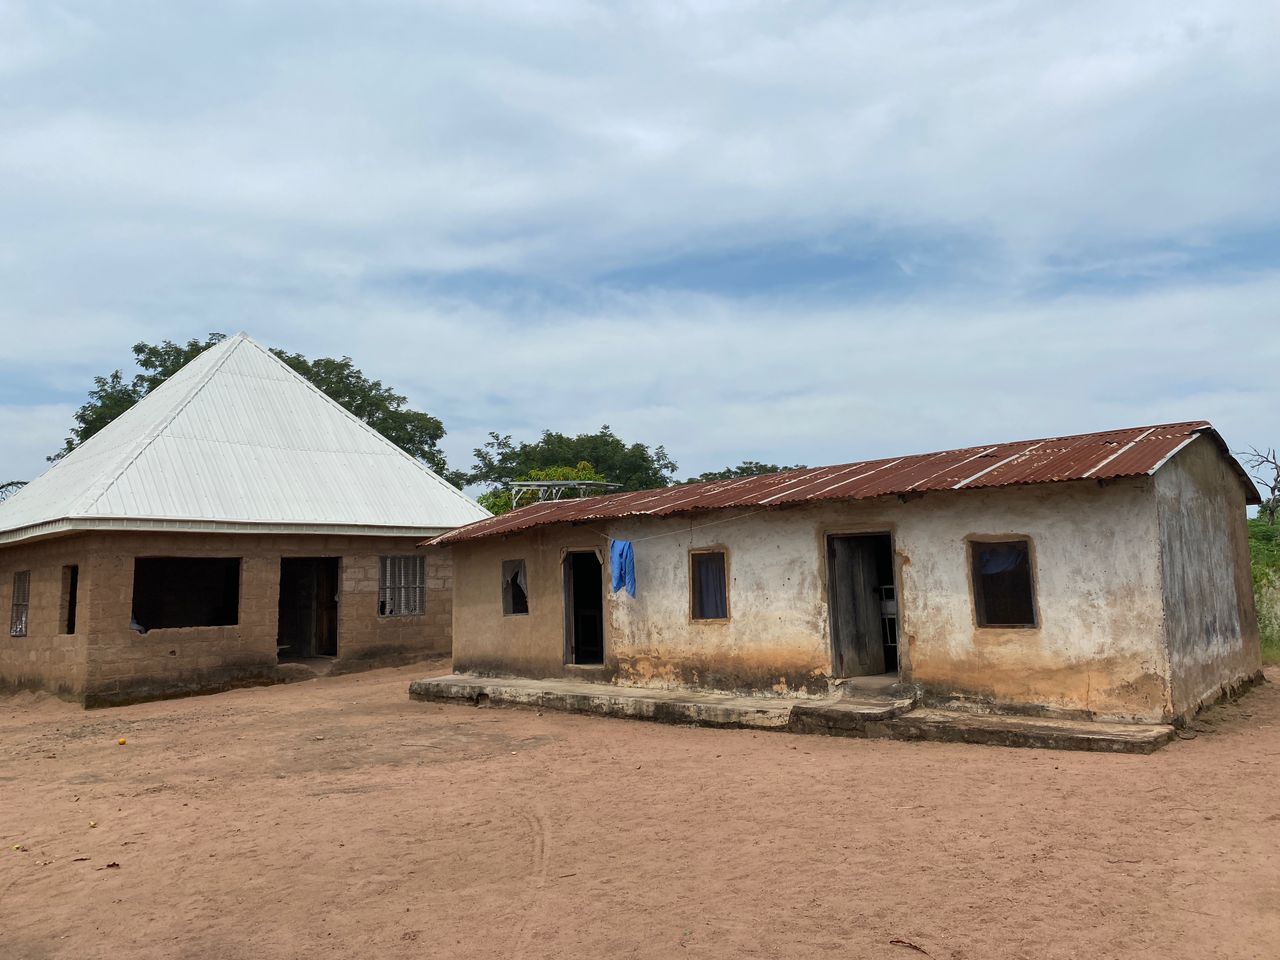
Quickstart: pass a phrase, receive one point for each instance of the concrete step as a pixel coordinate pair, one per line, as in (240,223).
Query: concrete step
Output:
(846,716)
(871,717)
(575,696)
(1009,731)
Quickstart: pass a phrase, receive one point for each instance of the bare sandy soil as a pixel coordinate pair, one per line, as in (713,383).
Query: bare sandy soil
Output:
(335,818)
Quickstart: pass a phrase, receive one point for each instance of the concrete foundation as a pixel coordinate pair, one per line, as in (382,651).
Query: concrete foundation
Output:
(859,715)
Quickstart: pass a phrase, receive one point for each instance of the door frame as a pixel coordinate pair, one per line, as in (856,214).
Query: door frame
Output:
(335,562)
(566,594)
(825,538)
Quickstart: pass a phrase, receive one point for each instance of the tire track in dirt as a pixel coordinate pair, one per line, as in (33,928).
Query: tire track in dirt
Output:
(541,832)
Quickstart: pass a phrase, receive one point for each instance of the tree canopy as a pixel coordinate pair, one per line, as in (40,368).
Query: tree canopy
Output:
(1264,465)
(634,466)
(415,432)
(747,468)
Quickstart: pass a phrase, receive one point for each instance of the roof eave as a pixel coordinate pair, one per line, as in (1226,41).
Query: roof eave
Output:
(53,528)
(1251,496)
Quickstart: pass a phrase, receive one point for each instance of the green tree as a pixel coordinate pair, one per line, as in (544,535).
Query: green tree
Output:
(634,466)
(498,500)
(416,433)
(747,468)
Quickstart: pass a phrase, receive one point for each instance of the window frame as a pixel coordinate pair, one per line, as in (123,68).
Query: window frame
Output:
(508,598)
(728,607)
(140,565)
(20,627)
(392,589)
(69,600)
(978,597)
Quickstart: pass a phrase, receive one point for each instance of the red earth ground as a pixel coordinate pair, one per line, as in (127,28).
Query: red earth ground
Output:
(335,818)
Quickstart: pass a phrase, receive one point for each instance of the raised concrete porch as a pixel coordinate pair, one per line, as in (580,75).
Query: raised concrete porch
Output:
(852,712)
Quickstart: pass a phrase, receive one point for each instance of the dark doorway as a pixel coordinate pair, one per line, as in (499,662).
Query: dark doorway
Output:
(863,605)
(308,607)
(583,608)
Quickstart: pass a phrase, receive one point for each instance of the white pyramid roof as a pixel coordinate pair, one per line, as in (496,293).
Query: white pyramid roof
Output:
(236,441)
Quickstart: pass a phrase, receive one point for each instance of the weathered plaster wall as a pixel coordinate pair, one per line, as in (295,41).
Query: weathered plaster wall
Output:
(45,658)
(526,645)
(775,640)
(1096,651)
(1211,624)
(112,664)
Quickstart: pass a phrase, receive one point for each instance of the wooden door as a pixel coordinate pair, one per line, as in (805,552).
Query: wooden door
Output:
(857,644)
(326,606)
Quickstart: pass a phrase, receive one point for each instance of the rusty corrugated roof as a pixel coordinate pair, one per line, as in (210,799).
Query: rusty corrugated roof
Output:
(1136,451)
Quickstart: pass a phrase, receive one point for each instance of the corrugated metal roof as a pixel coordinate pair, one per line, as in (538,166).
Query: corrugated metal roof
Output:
(1136,451)
(237,438)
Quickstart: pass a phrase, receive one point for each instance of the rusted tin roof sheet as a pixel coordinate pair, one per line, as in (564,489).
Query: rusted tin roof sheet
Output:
(1137,451)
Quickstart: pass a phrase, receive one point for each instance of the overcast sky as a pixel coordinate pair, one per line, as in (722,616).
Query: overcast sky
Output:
(794,232)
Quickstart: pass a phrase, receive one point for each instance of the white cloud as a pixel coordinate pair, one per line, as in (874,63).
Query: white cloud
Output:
(312,173)
(28,434)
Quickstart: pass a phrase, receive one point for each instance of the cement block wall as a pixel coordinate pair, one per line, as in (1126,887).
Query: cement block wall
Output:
(106,662)
(46,658)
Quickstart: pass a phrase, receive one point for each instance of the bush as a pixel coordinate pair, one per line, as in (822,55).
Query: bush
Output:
(1264,552)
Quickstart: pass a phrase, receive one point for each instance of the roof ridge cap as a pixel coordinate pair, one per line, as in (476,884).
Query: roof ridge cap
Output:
(363,425)
(91,499)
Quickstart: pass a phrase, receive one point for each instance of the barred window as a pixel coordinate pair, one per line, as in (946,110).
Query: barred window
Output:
(21,603)
(402,586)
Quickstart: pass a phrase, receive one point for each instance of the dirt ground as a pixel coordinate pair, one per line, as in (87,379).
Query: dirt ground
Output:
(335,818)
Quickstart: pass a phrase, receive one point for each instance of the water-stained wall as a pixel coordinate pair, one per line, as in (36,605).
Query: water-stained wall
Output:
(1096,650)
(1211,624)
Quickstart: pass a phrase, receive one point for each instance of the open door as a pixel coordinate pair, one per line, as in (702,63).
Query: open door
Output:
(308,625)
(583,608)
(862,605)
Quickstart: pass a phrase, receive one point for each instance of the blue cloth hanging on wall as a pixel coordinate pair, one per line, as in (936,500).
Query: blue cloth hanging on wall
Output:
(622,561)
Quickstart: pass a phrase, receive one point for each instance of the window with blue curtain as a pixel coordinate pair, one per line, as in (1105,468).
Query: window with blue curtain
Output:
(709,585)
(1003,587)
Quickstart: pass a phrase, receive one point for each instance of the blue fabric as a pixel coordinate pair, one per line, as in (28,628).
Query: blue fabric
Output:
(623,563)
(1000,559)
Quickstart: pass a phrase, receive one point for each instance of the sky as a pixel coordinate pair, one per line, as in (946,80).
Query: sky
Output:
(801,232)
